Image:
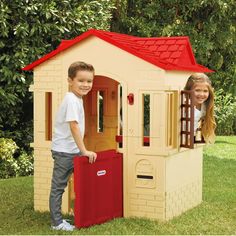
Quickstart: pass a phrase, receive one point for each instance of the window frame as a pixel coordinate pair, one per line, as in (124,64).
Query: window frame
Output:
(172,102)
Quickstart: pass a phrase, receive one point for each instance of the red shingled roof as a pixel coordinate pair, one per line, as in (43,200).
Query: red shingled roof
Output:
(169,53)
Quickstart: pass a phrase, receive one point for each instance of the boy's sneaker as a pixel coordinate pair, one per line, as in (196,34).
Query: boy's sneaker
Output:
(66,222)
(64,226)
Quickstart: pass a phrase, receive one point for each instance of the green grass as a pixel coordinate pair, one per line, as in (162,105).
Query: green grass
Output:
(216,214)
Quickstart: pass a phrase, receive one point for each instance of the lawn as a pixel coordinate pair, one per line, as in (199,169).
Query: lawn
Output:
(216,214)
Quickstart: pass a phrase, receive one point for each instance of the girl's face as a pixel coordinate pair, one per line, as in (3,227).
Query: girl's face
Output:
(201,93)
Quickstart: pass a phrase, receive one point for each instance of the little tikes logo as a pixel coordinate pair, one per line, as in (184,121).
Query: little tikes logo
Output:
(101,172)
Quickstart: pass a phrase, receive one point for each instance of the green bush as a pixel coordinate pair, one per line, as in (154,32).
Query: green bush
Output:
(8,168)
(225,112)
(12,165)
(25,164)
(29,30)
(8,165)
(7,148)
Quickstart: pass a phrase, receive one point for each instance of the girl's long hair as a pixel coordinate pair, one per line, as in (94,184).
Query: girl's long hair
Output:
(208,121)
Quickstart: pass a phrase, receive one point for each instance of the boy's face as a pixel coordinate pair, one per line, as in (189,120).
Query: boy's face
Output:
(82,83)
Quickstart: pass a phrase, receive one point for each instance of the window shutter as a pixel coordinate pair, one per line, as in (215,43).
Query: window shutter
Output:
(187,120)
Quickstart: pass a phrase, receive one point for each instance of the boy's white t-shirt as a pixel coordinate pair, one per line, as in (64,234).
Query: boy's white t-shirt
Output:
(71,109)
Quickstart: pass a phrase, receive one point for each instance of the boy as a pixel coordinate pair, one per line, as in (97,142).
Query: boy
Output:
(68,138)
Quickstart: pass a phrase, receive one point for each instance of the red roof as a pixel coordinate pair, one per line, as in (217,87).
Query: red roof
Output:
(169,53)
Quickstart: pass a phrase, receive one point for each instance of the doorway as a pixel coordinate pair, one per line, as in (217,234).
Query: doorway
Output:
(101,115)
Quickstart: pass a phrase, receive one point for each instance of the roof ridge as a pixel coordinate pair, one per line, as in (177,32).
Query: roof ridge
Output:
(164,37)
(115,33)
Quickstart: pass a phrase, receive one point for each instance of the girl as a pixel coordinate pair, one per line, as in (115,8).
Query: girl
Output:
(203,99)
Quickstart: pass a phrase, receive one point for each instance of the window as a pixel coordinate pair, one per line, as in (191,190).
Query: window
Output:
(120,117)
(48,116)
(146,119)
(100,111)
(120,111)
(187,120)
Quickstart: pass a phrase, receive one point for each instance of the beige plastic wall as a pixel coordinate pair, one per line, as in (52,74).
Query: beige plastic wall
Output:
(47,78)
(135,76)
(176,185)
(183,181)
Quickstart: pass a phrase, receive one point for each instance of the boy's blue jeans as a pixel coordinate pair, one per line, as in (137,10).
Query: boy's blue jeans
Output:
(63,168)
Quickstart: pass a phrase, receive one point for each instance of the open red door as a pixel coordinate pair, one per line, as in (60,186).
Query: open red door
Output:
(98,188)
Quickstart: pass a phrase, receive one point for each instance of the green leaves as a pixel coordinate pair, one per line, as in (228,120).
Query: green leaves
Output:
(11,166)
(210,25)
(225,110)
(7,148)
(30,29)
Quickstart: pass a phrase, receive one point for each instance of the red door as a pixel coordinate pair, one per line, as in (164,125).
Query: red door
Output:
(98,188)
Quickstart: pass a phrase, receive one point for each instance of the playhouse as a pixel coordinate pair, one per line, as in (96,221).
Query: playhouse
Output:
(135,108)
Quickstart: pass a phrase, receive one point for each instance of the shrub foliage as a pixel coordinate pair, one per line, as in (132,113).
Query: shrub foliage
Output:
(211,27)
(29,30)
(11,164)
